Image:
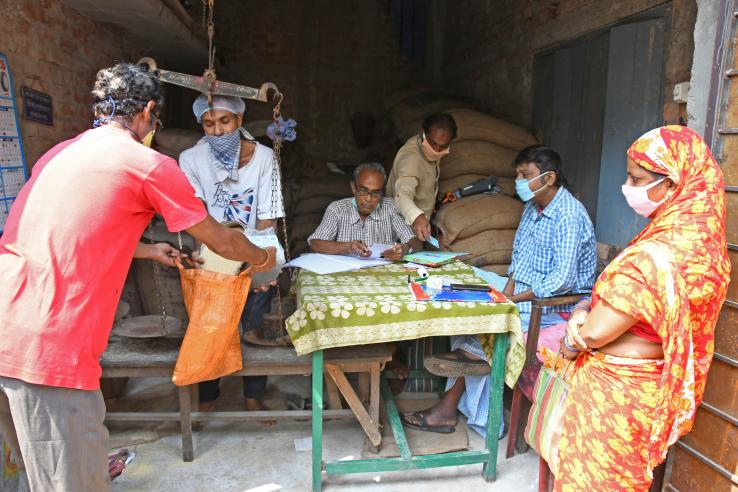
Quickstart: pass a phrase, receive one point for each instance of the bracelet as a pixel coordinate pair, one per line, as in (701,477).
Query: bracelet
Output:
(269,257)
(566,344)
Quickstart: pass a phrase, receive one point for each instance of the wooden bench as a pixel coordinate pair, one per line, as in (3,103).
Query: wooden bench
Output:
(127,357)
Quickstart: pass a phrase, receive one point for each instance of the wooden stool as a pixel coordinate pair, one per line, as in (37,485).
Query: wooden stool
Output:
(128,357)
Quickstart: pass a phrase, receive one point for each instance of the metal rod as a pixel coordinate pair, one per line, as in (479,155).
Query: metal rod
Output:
(730,303)
(731,73)
(414,463)
(733,246)
(716,411)
(726,359)
(728,131)
(710,462)
(732,189)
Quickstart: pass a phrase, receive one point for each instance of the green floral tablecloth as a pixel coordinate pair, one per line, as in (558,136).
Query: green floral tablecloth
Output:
(374,305)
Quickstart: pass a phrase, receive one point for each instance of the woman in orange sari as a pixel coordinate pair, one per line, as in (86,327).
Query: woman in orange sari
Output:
(644,341)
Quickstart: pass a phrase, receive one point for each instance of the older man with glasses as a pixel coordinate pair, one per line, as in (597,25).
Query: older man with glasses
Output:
(351,225)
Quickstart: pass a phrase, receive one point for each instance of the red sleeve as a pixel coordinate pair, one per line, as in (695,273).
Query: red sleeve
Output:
(172,196)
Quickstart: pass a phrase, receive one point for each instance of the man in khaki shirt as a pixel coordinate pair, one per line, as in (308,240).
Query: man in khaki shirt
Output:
(413,181)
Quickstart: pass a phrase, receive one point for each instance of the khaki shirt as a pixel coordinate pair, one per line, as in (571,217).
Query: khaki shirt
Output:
(413,181)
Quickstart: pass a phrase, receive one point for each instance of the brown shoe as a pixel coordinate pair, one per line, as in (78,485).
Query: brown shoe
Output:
(455,364)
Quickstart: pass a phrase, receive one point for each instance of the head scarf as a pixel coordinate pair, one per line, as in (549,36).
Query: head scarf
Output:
(232,104)
(674,275)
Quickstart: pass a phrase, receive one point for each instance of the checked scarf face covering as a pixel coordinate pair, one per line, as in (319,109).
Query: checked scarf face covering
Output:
(226,149)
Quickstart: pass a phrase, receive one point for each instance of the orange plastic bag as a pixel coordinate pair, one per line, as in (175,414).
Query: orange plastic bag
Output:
(211,347)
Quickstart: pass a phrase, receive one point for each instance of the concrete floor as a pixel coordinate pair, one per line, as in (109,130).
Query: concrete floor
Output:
(247,457)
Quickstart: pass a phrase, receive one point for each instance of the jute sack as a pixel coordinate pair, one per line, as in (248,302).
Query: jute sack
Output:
(477,157)
(420,106)
(487,247)
(394,98)
(474,125)
(471,215)
(304,225)
(173,141)
(452,184)
(498,269)
(313,205)
(334,185)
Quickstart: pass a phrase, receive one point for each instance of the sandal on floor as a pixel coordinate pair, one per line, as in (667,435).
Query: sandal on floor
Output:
(117,463)
(455,364)
(423,426)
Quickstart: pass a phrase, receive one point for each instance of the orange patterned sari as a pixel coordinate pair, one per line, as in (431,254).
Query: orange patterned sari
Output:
(623,415)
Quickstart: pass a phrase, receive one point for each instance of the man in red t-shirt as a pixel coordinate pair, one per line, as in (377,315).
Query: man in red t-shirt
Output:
(64,255)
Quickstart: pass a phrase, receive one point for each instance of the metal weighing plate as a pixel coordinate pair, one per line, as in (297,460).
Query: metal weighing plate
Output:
(149,327)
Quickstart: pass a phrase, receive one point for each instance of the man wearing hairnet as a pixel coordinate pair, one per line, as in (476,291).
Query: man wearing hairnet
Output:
(232,175)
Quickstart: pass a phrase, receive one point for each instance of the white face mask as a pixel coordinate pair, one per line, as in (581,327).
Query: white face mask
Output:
(637,198)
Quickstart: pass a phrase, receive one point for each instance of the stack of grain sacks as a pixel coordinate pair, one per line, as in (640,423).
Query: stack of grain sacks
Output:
(482,225)
(313,195)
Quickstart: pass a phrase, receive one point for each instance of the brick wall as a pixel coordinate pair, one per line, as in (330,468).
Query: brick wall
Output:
(330,59)
(490,46)
(44,39)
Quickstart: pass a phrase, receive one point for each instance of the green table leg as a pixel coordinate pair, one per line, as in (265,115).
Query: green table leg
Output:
(395,422)
(317,420)
(496,383)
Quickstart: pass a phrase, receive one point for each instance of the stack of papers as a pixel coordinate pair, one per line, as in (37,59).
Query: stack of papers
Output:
(423,293)
(325,264)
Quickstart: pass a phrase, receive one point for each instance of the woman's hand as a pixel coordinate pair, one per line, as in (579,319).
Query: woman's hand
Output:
(576,320)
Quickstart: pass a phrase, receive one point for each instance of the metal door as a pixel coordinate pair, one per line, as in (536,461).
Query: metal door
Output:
(706,459)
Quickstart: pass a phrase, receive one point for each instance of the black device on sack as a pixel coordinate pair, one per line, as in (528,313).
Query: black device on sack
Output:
(484,185)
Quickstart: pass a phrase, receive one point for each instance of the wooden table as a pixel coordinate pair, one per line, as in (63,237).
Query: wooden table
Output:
(128,357)
(374,305)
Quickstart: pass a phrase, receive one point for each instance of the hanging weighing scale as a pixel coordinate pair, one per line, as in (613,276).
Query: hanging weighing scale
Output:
(162,325)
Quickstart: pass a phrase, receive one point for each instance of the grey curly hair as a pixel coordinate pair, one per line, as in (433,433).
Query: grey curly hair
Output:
(127,88)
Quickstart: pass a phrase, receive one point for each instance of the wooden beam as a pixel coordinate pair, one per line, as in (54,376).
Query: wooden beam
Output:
(236,416)
(334,397)
(371,428)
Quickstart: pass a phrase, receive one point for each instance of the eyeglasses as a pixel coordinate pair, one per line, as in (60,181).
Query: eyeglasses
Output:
(374,194)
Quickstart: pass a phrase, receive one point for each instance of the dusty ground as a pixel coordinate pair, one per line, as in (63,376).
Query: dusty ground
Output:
(247,457)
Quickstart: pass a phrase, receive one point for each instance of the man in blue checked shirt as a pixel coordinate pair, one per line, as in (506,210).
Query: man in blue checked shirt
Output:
(554,253)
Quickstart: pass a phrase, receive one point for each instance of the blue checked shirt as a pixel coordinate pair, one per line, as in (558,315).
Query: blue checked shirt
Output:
(555,251)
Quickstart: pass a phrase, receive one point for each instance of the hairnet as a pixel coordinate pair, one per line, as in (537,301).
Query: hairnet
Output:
(227,103)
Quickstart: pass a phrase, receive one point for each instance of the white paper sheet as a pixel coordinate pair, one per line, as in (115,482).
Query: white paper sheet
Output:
(325,264)
(378,249)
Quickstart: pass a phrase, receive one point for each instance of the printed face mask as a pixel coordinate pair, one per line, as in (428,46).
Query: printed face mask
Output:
(522,187)
(429,152)
(226,148)
(637,198)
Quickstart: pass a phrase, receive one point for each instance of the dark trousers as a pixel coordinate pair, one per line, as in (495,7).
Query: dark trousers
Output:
(254,387)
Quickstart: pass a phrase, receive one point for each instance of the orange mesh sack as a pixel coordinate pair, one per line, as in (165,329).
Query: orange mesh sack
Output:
(211,347)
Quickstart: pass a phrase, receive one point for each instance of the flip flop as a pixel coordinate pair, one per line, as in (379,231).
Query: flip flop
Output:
(441,429)
(117,463)
(448,366)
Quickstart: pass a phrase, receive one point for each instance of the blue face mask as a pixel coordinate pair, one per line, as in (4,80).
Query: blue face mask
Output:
(522,187)
(226,148)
